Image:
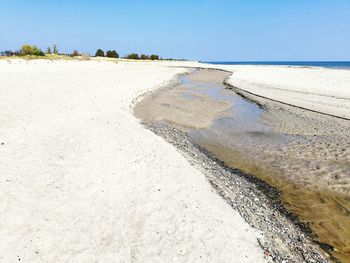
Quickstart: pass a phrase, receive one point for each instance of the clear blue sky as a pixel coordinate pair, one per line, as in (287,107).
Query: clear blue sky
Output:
(208,30)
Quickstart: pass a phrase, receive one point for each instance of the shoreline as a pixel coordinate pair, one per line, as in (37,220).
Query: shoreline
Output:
(344,64)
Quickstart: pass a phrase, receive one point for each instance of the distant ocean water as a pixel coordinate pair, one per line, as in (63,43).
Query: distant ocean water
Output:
(325,64)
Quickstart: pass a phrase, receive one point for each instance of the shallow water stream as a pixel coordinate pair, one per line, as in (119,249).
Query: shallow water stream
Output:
(231,128)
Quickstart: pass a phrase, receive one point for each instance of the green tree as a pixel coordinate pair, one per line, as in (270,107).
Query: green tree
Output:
(154,57)
(115,54)
(112,54)
(99,53)
(37,51)
(48,50)
(133,56)
(143,56)
(109,53)
(26,50)
(31,50)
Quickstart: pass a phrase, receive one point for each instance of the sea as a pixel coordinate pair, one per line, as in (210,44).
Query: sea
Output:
(325,64)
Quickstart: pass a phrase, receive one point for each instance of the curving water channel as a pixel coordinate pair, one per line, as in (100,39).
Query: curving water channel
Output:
(238,132)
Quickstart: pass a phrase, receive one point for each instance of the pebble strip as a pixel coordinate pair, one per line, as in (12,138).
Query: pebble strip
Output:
(285,237)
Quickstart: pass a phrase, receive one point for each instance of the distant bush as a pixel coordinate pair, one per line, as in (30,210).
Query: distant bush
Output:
(112,54)
(48,50)
(31,50)
(133,56)
(27,50)
(99,53)
(37,51)
(154,57)
(144,57)
(10,53)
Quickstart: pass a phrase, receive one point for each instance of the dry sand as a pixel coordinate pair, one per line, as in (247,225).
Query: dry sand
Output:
(320,89)
(83,181)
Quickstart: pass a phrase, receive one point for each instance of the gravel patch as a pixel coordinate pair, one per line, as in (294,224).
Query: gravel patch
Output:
(285,237)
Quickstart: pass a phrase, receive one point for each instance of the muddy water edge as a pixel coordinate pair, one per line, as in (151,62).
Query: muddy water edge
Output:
(301,154)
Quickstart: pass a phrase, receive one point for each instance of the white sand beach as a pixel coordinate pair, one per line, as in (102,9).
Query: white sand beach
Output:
(175,131)
(83,181)
(323,90)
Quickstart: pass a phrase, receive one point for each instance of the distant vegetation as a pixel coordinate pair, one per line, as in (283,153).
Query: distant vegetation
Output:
(100,53)
(154,57)
(112,54)
(10,53)
(32,51)
(135,56)
(142,57)
(132,56)
(29,50)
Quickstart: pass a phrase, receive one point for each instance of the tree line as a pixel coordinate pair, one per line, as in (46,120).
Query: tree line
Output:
(114,54)
(109,53)
(28,50)
(24,51)
(32,50)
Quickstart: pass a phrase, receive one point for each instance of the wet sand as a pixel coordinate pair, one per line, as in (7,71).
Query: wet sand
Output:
(182,107)
(276,143)
(326,211)
(314,170)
